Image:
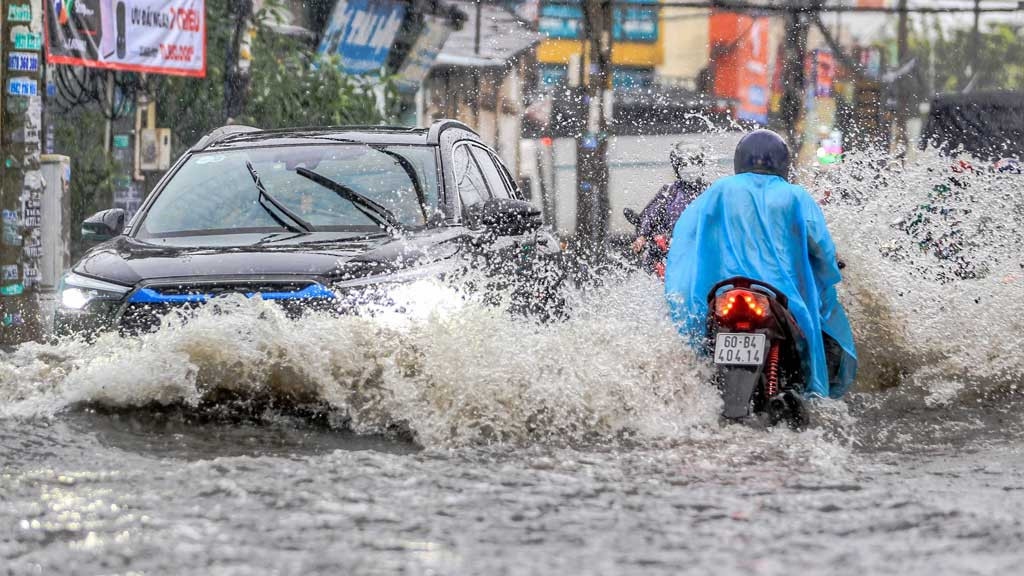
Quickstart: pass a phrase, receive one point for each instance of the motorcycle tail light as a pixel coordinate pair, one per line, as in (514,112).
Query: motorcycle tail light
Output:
(741,307)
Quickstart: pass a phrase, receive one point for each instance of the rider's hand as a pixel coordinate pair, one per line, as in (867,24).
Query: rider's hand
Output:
(639,244)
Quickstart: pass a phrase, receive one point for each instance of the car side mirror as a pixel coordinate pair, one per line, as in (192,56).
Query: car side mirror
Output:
(103,225)
(505,216)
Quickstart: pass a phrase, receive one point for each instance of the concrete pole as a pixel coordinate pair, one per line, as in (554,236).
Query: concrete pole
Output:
(21,182)
(902,93)
(972,61)
(592,204)
(793,80)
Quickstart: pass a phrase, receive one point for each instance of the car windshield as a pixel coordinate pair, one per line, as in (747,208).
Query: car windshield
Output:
(214,193)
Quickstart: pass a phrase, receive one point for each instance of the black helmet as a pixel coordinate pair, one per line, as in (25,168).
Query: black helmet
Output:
(762,152)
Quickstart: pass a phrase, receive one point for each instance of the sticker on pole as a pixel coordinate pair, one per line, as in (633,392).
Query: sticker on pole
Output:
(23,62)
(22,87)
(153,36)
(19,13)
(25,40)
(12,290)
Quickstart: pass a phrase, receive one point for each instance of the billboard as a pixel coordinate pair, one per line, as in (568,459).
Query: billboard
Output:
(632,24)
(361,33)
(153,36)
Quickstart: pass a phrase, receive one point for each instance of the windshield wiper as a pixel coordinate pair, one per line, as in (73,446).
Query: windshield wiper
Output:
(410,171)
(374,211)
(300,224)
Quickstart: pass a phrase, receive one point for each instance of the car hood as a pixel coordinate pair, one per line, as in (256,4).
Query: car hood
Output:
(128,261)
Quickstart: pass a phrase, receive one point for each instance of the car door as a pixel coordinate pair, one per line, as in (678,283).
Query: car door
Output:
(532,259)
(478,180)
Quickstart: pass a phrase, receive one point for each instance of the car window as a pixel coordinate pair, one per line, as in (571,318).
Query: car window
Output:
(508,177)
(495,182)
(214,191)
(468,177)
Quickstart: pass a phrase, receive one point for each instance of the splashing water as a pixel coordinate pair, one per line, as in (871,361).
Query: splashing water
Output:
(590,442)
(463,375)
(461,372)
(935,270)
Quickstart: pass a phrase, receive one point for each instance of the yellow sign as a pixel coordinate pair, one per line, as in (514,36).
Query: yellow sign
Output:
(642,54)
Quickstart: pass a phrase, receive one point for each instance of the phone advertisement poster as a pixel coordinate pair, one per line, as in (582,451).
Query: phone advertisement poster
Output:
(153,36)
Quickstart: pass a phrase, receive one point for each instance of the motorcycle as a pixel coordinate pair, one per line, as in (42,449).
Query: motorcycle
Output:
(656,251)
(752,338)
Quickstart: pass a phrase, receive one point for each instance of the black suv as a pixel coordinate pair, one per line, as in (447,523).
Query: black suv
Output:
(307,217)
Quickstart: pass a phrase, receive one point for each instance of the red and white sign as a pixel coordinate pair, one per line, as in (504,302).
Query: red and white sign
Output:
(154,36)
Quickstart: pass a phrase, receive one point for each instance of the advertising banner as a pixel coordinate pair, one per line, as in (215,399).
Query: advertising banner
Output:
(741,67)
(154,36)
(361,32)
(423,52)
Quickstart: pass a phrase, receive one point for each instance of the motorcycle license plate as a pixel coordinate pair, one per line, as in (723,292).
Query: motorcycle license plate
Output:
(744,349)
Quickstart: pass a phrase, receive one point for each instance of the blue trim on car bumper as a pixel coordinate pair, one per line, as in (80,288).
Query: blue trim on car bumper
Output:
(151,296)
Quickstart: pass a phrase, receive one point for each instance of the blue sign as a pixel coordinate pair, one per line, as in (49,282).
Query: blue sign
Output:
(23,62)
(22,87)
(555,75)
(361,33)
(632,24)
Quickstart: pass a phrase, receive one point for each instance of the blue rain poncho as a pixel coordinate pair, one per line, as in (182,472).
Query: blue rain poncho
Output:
(762,227)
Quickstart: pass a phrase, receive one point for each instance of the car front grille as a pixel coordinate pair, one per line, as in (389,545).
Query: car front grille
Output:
(147,306)
(220,289)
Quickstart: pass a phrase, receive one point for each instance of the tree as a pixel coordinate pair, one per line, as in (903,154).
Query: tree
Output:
(944,57)
(291,85)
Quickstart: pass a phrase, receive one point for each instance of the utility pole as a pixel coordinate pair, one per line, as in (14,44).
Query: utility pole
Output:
(793,80)
(592,205)
(21,182)
(239,60)
(476,33)
(902,92)
(972,62)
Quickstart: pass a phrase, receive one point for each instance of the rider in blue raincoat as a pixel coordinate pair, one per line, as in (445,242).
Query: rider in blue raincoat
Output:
(758,225)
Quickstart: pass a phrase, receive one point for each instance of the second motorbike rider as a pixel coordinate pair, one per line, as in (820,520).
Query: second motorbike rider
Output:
(659,216)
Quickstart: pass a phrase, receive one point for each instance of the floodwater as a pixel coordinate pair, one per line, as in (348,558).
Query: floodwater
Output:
(460,441)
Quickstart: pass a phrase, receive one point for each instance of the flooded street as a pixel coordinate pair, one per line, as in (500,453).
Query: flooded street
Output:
(453,288)
(138,493)
(461,441)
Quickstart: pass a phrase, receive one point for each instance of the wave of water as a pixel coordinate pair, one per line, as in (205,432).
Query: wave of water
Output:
(467,373)
(464,373)
(936,273)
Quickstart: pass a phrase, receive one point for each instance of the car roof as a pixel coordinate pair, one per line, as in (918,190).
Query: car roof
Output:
(237,136)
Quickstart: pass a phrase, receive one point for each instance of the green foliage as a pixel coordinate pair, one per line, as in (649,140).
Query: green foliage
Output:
(92,173)
(289,85)
(293,87)
(945,56)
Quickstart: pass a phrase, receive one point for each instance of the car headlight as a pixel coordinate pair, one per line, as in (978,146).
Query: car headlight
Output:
(76,292)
